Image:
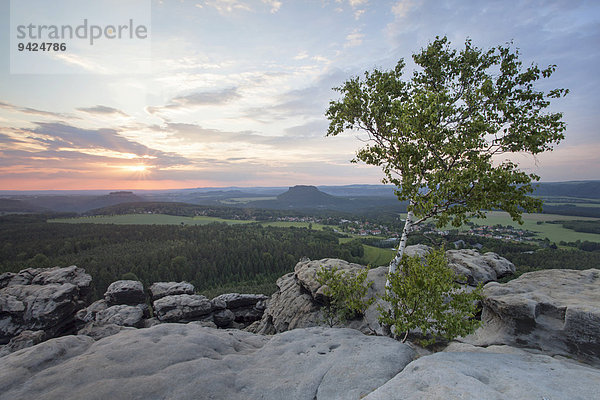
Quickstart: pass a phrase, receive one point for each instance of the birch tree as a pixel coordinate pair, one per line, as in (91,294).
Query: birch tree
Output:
(444,135)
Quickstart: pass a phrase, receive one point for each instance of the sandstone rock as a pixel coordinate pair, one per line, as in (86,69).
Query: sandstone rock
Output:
(554,311)
(182,307)
(297,302)
(482,374)
(72,274)
(306,274)
(125,292)
(223,318)
(246,308)
(23,340)
(100,330)
(290,307)
(185,361)
(88,314)
(162,289)
(237,300)
(50,308)
(218,304)
(122,315)
(417,250)
(477,268)
(22,277)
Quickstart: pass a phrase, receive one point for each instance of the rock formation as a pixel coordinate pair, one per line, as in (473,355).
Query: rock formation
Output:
(179,361)
(125,292)
(296,303)
(554,311)
(161,289)
(496,374)
(42,299)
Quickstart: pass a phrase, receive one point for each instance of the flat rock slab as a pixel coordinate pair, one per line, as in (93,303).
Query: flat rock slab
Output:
(176,361)
(484,375)
(554,311)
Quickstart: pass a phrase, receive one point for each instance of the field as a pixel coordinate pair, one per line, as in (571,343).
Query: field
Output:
(554,232)
(145,219)
(376,257)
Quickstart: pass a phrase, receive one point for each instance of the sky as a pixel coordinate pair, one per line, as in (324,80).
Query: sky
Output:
(234,92)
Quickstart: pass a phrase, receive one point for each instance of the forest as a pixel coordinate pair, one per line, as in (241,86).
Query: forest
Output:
(215,257)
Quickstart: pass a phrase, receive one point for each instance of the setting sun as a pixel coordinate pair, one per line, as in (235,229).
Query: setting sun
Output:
(136,168)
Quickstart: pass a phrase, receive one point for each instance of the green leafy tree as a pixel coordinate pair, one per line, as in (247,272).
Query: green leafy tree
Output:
(425,295)
(345,294)
(443,135)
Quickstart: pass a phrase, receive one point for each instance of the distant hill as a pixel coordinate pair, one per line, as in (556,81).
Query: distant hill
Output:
(580,189)
(77,203)
(17,206)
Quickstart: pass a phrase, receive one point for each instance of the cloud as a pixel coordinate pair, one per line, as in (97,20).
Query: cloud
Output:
(355,38)
(32,111)
(102,110)
(316,128)
(307,102)
(227,6)
(61,141)
(401,8)
(197,99)
(274,4)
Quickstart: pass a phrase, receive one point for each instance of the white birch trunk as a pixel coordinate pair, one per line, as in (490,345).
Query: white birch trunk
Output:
(408,225)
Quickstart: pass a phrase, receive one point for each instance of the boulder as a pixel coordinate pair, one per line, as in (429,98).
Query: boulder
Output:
(182,307)
(554,311)
(122,315)
(223,318)
(125,292)
(478,268)
(305,272)
(187,361)
(161,289)
(417,250)
(89,313)
(43,299)
(490,374)
(290,307)
(238,300)
(246,308)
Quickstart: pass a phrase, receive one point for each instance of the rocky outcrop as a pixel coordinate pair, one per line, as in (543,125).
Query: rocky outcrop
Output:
(497,373)
(290,307)
(125,292)
(159,290)
(123,306)
(182,308)
(479,268)
(554,311)
(41,299)
(186,361)
(297,302)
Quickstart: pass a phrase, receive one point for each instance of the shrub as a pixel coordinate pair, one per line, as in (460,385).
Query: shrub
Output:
(345,294)
(425,295)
